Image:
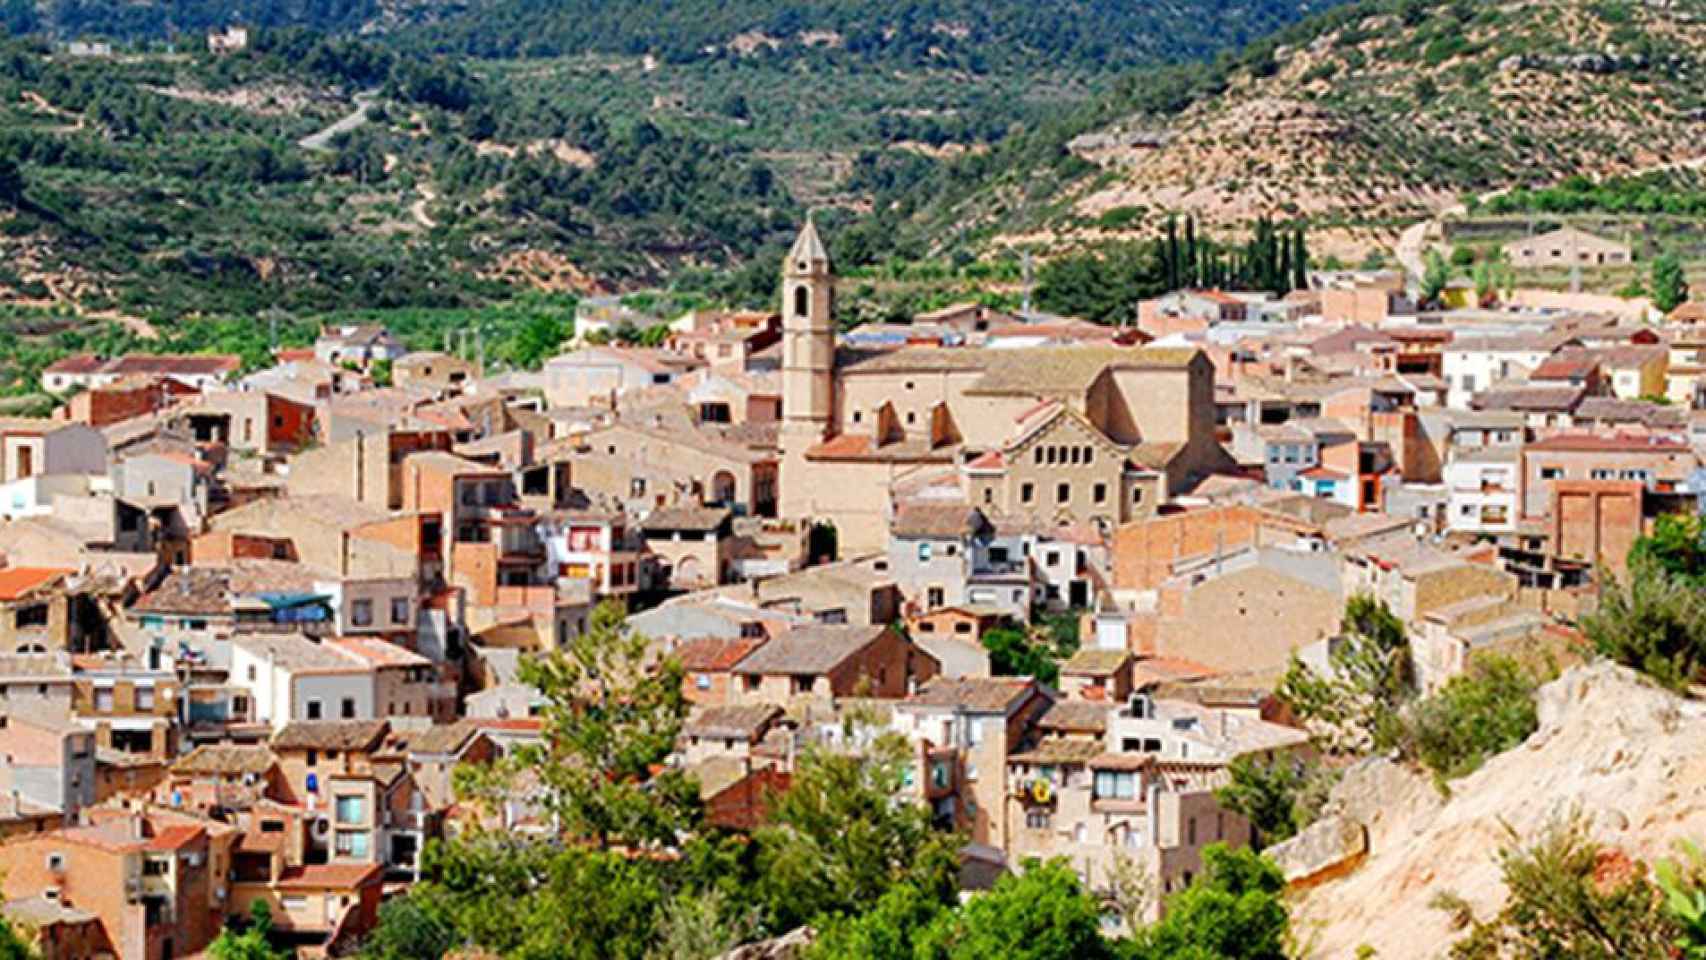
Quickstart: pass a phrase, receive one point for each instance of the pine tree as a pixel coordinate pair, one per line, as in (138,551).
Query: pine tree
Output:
(1669,285)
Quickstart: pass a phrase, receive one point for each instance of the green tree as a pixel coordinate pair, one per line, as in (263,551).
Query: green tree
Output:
(1669,285)
(11,182)
(611,719)
(1486,710)
(1683,883)
(894,929)
(1234,911)
(1012,654)
(1279,797)
(1654,622)
(537,339)
(1358,706)
(12,946)
(254,943)
(410,928)
(848,830)
(1559,905)
(1434,277)
(380,371)
(1042,913)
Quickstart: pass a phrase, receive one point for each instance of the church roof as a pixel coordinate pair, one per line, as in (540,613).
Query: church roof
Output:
(808,247)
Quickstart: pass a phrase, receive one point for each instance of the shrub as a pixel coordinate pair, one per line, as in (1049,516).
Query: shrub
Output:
(1484,711)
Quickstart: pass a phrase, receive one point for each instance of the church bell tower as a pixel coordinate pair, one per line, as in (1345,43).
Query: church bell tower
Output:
(808,364)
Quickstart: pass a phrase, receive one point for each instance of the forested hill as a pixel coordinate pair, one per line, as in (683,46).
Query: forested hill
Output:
(1027,35)
(974,34)
(1365,117)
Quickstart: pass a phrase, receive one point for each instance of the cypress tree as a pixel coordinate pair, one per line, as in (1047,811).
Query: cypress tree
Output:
(1299,262)
(1172,253)
(1193,256)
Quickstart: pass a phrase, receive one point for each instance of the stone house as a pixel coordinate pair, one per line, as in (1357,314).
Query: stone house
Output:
(831,662)
(1565,247)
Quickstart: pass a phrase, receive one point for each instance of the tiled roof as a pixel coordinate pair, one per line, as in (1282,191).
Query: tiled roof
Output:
(1061,752)
(17,582)
(944,521)
(189,590)
(981,694)
(330,735)
(441,738)
(1619,443)
(298,654)
(1091,661)
(809,650)
(731,723)
(225,759)
(1076,716)
(76,363)
(714,654)
(175,837)
(378,653)
(329,876)
(185,364)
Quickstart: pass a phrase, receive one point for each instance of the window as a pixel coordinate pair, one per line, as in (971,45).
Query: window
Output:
(56,862)
(104,700)
(1601,473)
(1137,495)
(1115,785)
(352,809)
(1099,493)
(1027,492)
(361,613)
(1551,473)
(1038,819)
(352,843)
(933,597)
(1062,493)
(155,867)
(347,708)
(34,615)
(313,709)
(702,681)
(399,609)
(293,904)
(144,698)
(924,552)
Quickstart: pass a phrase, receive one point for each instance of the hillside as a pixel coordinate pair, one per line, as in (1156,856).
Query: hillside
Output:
(1362,118)
(1003,35)
(1610,746)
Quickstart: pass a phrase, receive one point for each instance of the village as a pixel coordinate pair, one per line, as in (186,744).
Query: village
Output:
(255,626)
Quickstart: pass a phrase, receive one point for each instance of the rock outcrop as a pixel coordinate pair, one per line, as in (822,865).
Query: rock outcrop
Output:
(1622,752)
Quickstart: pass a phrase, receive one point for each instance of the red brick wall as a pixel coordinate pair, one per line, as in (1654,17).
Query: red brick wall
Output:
(1145,550)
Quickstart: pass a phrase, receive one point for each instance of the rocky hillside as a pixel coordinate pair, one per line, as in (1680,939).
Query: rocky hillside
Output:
(1621,752)
(1379,112)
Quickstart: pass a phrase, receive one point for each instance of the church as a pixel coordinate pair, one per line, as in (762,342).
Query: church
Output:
(1095,433)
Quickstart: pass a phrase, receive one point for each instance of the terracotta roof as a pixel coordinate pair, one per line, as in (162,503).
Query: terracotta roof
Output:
(945,521)
(809,650)
(1169,670)
(1076,716)
(441,738)
(258,841)
(329,876)
(17,582)
(1061,752)
(378,653)
(1155,456)
(189,590)
(981,694)
(732,723)
(993,460)
(222,758)
(1619,443)
(330,735)
(1091,661)
(175,838)
(76,363)
(186,364)
(714,654)
(1689,311)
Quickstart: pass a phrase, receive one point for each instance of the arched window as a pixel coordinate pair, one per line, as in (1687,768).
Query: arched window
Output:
(802,301)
